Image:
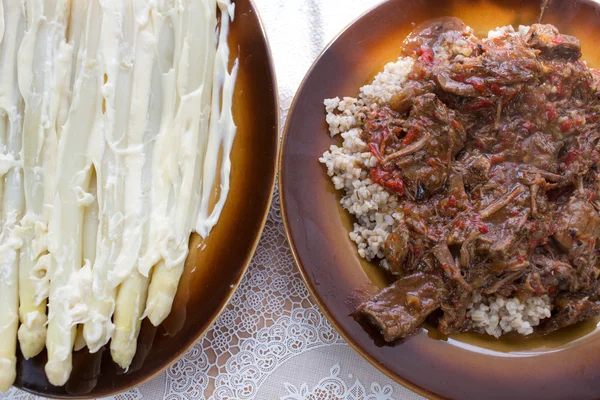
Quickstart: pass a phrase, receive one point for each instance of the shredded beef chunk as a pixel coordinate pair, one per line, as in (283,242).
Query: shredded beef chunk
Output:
(421,149)
(552,44)
(492,148)
(399,310)
(569,311)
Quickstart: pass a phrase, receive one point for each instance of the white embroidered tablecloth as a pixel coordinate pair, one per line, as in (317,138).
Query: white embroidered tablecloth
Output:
(272,342)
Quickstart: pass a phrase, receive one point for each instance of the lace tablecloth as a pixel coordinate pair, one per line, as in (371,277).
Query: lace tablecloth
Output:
(272,342)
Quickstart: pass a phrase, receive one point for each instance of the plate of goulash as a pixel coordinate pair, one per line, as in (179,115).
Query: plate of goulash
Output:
(138,144)
(439,187)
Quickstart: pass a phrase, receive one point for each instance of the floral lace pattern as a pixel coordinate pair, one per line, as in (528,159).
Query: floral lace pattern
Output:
(333,388)
(269,320)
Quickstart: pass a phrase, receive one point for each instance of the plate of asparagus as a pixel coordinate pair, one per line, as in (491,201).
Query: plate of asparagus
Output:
(124,132)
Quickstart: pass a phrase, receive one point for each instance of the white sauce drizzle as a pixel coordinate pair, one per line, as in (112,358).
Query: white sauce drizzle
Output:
(139,95)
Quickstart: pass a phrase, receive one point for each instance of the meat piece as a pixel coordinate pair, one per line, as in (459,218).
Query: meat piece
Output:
(578,156)
(403,100)
(467,248)
(448,264)
(577,232)
(568,311)
(541,151)
(532,286)
(503,249)
(428,33)
(552,44)
(450,85)
(501,282)
(456,191)
(555,273)
(502,202)
(407,246)
(577,228)
(454,320)
(480,275)
(400,309)
(434,136)
(496,75)
(397,249)
(477,167)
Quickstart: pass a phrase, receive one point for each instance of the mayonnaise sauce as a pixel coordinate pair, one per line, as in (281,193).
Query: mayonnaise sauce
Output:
(137,94)
(12,27)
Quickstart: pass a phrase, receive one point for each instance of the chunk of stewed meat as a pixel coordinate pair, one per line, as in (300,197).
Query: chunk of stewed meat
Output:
(400,309)
(433,136)
(427,34)
(577,227)
(552,44)
(403,100)
(568,311)
(541,151)
(405,249)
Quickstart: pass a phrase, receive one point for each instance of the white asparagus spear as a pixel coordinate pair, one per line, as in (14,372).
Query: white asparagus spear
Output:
(12,204)
(69,279)
(6,161)
(118,37)
(90,234)
(208,143)
(145,120)
(43,59)
(189,129)
(131,301)
(165,151)
(75,33)
(161,293)
(10,242)
(35,263)
(222,129)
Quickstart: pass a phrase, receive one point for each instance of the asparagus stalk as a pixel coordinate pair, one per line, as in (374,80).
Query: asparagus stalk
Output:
(34,260)
(12,204)
(190,130)
(168,25)
(75,33)
(43,58)
(90,234)
(131,301)
(10,241)
(6,160)
(155,46)
(222,129)
(66,230)
(118,44)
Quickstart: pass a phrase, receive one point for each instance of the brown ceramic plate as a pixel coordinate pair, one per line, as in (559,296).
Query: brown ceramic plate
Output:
(563,366)
(211,275)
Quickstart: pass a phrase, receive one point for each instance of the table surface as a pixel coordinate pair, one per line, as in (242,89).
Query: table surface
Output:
(271,341)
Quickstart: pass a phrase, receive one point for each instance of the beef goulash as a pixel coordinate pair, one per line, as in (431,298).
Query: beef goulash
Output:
(486,154)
